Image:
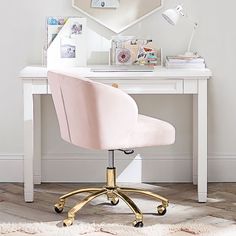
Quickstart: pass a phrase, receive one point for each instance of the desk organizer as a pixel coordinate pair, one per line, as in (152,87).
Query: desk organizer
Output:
(129,50)
(68,47)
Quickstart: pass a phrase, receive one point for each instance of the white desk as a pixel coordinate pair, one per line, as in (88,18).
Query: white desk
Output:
(161,81)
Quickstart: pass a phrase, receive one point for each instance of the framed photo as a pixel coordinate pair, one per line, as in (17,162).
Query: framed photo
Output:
(68,48)
(76,28)
(105,3)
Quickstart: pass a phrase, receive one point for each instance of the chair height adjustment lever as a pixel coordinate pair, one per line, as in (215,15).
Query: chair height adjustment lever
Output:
(127,151)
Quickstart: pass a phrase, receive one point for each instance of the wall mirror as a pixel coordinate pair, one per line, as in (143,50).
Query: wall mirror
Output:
(117,15)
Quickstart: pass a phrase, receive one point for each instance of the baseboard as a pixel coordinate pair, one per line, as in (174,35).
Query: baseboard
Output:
(91,168)
(221,168)
(11,168)
(88,169)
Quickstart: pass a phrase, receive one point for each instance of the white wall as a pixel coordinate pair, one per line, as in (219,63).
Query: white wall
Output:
(21,43)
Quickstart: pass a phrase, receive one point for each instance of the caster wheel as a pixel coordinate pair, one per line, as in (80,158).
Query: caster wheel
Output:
(161,210)
(58,208)
(138,224)
(115,201)
(68,222)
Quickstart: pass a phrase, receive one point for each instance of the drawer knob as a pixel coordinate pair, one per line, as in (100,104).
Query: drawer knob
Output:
(115,85)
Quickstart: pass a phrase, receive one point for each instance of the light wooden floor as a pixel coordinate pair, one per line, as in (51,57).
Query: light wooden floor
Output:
(220,209)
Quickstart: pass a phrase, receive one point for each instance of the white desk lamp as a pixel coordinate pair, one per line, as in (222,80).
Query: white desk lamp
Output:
(172,17)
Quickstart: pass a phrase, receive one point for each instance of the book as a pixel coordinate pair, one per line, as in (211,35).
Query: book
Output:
(186,66)
(179,59)
(182,62)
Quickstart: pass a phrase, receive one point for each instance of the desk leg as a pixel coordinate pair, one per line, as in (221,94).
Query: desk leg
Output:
(202,141)
(195,138)
(37,138)
(28,142)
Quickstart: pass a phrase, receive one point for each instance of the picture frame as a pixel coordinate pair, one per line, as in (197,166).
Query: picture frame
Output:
(105,4)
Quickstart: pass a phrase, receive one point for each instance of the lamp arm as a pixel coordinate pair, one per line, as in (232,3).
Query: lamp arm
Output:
(192,36)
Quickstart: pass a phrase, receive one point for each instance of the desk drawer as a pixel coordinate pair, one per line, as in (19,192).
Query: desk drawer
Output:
(147,86)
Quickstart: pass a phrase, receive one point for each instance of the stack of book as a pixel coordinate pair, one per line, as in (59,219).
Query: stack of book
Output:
(182,62)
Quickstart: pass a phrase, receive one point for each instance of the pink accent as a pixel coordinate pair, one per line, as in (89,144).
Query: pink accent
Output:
(97,116)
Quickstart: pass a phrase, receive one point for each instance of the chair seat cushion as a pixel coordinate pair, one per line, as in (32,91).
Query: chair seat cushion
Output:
(151,132)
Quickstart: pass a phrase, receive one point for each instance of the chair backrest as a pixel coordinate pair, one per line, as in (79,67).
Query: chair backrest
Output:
(90,114)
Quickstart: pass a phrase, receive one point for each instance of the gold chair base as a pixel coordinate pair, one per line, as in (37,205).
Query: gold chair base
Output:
(113,193)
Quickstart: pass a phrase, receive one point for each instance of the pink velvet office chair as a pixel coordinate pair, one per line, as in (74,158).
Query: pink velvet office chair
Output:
(97,116)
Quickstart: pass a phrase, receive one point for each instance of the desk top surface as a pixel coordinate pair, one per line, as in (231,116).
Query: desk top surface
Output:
(36,72)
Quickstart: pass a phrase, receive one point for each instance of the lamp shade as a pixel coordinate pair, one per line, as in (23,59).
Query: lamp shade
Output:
(172,15)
